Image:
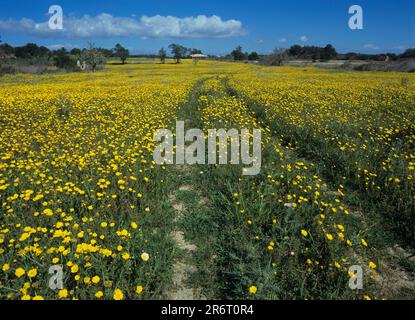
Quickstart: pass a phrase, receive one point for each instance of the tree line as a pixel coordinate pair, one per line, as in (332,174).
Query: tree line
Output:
(62,58)
(314,53)
(95,58)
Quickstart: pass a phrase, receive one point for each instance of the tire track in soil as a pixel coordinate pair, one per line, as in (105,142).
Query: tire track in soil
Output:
(183,267)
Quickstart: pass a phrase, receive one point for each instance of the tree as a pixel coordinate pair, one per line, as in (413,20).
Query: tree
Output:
(253,56)
(195,51)
(43,51)
(62,60)
(6,52)
(313,52)
(6,49)
(237,54)
(409,53)
(31,50)
(328,52)
(76,52)
(178,51)
(162,55)
(316,56)
(2,54)
(93,57)
(278,57)
(121,52)
(295,50)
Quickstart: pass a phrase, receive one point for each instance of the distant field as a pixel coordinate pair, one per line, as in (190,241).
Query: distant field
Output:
(141,61)
(79,187)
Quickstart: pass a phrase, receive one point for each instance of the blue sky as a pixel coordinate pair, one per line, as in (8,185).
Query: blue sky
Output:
(215,26)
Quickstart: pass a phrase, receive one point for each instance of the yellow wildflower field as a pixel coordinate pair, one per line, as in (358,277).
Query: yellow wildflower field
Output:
(79,187)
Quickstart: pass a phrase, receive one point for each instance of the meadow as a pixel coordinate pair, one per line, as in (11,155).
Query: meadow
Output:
(79,187)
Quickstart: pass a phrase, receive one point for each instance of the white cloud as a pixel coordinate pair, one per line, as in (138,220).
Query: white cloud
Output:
(11,25)
(303,38)
(190,27)
(283,40)
(371,46)
(106,25)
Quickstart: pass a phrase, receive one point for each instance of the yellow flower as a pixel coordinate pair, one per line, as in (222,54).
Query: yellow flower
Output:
(145,257)
(38,298)
(5,267)
(125,256)
(19,272)
(63,293)
(118,295)
(26,297)
(304,233)
(364,243)
(139,290)
(48,212)
(74,268)
(99,294)
(329,237)
(134,225)
(340,227)
(96,279)
(32,273)
(372,265)
(253,290)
